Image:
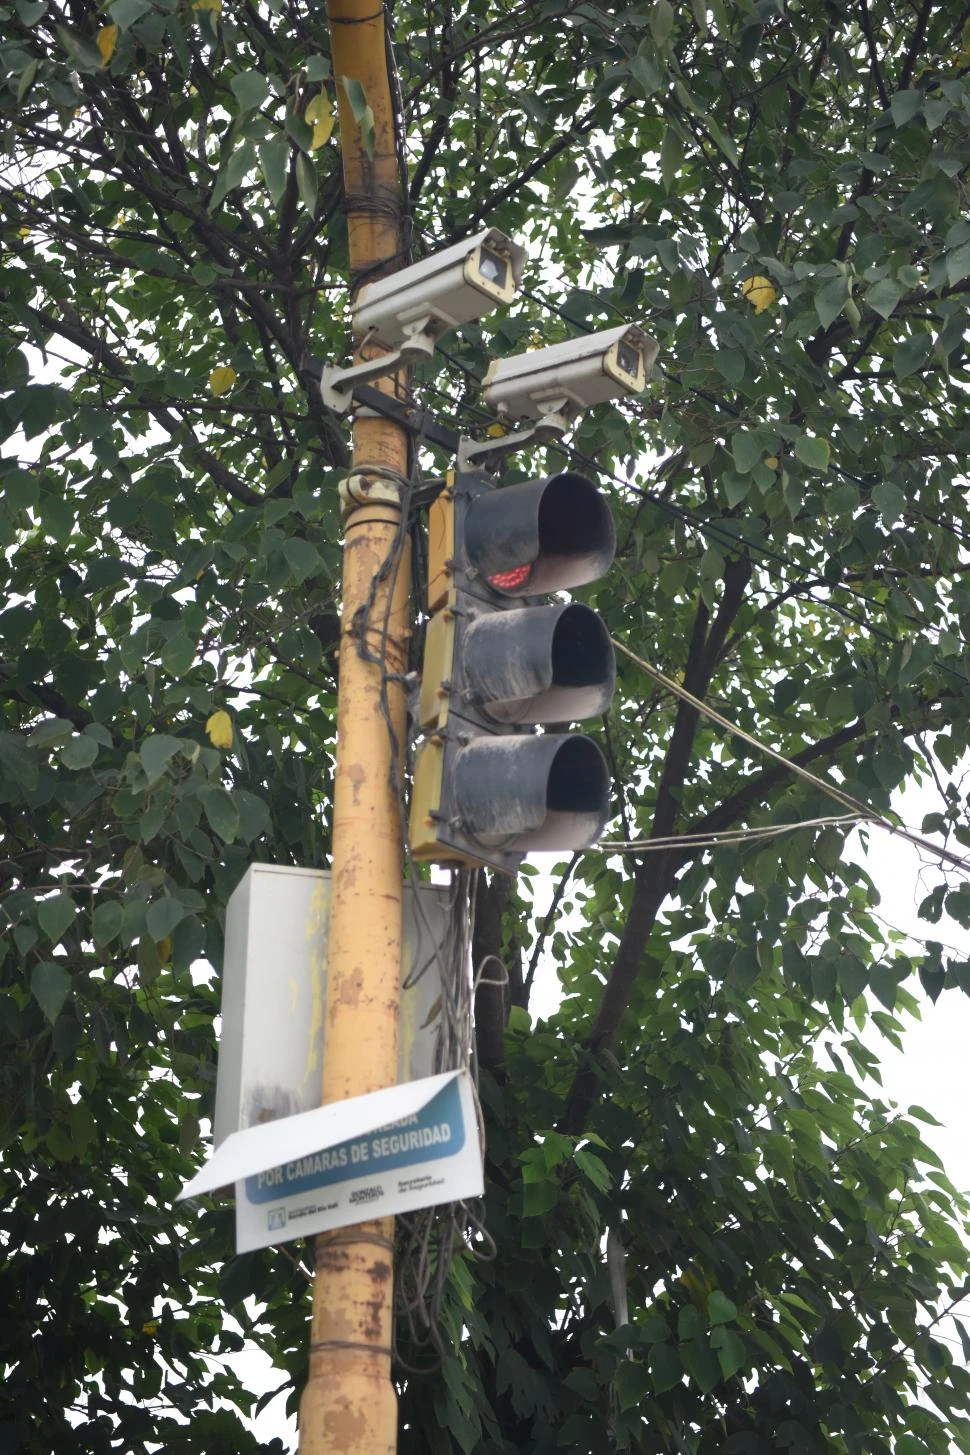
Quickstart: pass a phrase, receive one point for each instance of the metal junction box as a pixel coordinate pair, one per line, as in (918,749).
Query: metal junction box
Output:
(274,981)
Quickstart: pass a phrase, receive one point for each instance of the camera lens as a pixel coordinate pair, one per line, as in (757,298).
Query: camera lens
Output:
(493,267)
(628,359)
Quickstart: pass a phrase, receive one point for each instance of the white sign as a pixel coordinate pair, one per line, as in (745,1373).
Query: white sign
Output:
(396,1150)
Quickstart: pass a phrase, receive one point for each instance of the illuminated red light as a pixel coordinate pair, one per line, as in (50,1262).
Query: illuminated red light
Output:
(508,580)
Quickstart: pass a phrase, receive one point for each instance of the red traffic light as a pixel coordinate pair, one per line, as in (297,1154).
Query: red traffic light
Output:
(540,536)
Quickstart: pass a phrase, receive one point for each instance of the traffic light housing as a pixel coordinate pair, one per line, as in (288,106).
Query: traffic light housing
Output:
(498,663)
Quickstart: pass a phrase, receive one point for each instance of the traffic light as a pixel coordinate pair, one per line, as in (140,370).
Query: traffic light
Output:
(488,787)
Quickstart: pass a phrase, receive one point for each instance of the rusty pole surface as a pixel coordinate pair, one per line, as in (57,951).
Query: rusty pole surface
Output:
(349,1405)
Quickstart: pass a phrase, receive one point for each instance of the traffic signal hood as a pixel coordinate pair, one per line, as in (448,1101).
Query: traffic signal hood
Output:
(487,787)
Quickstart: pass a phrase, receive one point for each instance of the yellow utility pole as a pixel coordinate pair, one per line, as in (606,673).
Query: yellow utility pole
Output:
(349,1406)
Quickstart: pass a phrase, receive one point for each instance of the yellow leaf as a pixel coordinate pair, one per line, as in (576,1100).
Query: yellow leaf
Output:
(759,292)
(222,379)
(214,5)
(219,728)
(319,115)
(771,461)
(23,232)
(151,1327)
(495,431)
(107,40)
(164,949)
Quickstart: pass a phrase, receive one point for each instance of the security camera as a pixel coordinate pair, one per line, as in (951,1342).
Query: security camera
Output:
(455,286)
(566,378)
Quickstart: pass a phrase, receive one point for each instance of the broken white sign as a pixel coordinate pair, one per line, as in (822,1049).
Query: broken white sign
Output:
(397,1150)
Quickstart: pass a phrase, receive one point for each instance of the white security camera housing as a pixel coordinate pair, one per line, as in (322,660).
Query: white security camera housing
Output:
(566,378)
(455,286)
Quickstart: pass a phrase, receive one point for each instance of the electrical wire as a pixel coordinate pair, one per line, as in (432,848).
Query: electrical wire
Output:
(428,1241)
(724,837)
(855,805)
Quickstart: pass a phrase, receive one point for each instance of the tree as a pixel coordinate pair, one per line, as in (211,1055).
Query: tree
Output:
(780,193)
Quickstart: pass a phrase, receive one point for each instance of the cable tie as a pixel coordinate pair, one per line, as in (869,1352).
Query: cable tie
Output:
(347,1240)
(319,1345)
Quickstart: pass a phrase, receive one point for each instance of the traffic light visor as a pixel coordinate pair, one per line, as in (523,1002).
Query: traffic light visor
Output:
(525,793)
(540,536)
(537,664)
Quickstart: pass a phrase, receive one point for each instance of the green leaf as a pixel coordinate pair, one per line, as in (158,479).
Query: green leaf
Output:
(593,1169)
(178,654)
(632,1384)
(661,22)
(306,182)
(922,1115)
(736,487)
(720,1309)
(250,88)
(21,489)
(156,753)
(793,493)
(162,916)
(26,79)
(124,13)
(830,302)
(84,54)
(232,172)
(50,985)
(883,296)
(106,921)
(665,1367)
(539,1198)
(730,364)
(149,964)
(905,105)
(748,450)
(853,977)
(303,558)
(274,159)
(889,501)
(51,730)
(254,815)
(911,354)
(673,149)
(79,751)
(362,113)
(30,11)
(732,1354)
(702,1365)
(56,915)
(221,811)
(813,452)
(958,264)
(722,140)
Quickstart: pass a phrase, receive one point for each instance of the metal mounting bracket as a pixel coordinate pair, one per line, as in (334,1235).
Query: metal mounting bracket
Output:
(418,422)
(337,385)
(477,455)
